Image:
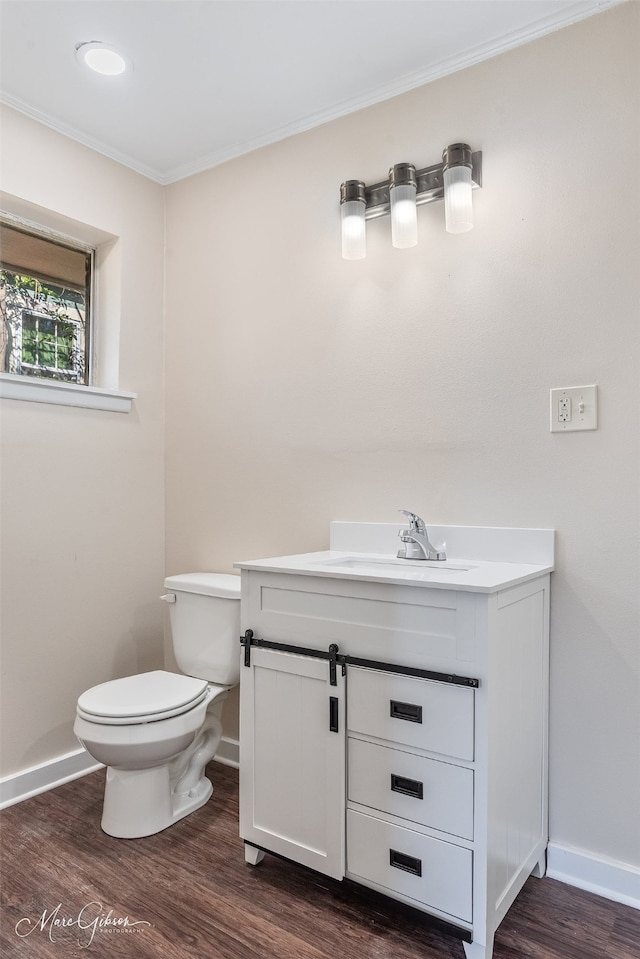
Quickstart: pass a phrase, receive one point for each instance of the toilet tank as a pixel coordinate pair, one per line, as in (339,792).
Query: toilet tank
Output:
(205,625)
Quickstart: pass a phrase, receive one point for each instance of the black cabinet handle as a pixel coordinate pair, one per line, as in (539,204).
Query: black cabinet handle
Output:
(407,711)
(400,860)
(408,787)
(333,714)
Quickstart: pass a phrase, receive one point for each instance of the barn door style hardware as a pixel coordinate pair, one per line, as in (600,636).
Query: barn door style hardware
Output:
(331,655)
(336,658)
(248,640)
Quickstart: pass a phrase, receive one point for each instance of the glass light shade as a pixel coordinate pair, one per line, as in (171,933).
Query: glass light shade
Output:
(101,58)
(458,208)
(404,216)
(354,239)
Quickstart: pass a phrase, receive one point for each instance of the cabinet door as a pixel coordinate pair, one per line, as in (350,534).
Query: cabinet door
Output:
(292,759)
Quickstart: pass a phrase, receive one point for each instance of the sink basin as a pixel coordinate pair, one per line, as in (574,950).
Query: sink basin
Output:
(365,562)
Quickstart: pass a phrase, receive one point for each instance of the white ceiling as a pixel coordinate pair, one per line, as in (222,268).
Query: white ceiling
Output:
(213,79)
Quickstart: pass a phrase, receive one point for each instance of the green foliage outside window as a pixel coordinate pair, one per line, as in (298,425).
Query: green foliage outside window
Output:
(43,328)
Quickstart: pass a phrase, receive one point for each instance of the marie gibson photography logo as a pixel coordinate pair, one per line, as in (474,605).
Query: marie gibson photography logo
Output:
(81,928)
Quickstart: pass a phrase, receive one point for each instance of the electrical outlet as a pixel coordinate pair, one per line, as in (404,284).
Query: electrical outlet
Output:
(574,408)
(564,409)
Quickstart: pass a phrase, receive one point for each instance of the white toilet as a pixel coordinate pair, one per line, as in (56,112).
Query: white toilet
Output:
(156,732)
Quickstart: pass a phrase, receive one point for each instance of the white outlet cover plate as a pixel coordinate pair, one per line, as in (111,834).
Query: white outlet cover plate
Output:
(583,408)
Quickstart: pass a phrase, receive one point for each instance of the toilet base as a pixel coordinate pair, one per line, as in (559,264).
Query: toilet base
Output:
(142,802)
(138,803)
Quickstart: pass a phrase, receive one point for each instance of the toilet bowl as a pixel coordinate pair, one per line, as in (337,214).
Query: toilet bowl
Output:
(155,732)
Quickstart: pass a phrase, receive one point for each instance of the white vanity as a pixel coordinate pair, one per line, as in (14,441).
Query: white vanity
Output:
(393,717)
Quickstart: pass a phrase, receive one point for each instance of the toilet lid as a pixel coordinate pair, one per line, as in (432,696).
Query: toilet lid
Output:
(146,698)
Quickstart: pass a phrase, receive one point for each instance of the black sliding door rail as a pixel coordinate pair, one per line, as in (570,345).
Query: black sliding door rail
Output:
(335,659)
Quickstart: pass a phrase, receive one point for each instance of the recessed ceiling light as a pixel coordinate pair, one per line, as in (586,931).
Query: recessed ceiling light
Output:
(101,58)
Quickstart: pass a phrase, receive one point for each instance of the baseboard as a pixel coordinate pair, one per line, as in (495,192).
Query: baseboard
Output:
(228,752)
(56,772)
(605,877)
(47,775)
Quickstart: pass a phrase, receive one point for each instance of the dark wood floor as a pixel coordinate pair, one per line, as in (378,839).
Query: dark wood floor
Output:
(194,896)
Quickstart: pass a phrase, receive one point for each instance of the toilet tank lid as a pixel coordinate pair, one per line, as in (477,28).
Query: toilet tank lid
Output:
(224,585)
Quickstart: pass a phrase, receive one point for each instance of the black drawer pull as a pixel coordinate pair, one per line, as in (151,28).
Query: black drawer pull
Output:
(407,863)
(408,787)
(333,714)
(408,711)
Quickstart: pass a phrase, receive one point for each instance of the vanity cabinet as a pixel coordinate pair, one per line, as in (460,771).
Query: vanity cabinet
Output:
(396,735)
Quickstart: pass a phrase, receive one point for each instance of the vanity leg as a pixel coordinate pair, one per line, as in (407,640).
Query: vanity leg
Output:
(252,854)
(478,950)
(540,868)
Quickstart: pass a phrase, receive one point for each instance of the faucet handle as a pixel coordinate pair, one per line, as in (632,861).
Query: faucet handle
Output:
(416,524)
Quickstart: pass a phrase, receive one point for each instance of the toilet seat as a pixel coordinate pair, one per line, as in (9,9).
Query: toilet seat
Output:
(145,698)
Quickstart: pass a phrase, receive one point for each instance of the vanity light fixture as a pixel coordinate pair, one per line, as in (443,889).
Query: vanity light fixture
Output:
(101,58)
(456,167)
(406,189)
(352,211)
(402,199)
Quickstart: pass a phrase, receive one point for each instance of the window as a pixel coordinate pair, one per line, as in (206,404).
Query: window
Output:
(45,304)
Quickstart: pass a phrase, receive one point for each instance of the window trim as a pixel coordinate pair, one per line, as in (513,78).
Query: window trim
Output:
(37,390)
(104,358)
(59,238)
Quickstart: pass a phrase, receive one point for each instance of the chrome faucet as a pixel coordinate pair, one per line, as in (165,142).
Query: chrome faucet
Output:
(416,538)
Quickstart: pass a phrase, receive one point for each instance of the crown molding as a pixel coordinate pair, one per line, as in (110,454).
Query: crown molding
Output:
(572,14)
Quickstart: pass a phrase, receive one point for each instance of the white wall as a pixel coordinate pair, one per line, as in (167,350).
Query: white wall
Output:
(302,388)
(82,490)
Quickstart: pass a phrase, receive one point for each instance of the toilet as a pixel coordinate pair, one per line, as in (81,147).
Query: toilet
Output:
(155,732)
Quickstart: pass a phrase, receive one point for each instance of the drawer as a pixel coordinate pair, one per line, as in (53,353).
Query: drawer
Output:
(437,717)
(426,791)
(432,872)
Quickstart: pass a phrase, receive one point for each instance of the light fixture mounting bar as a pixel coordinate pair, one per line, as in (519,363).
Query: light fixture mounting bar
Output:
(429,183)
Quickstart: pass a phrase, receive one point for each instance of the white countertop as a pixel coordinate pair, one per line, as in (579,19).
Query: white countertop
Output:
(456,573)
(482,560)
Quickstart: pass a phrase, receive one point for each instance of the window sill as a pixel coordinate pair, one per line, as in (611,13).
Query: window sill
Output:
(64,394)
